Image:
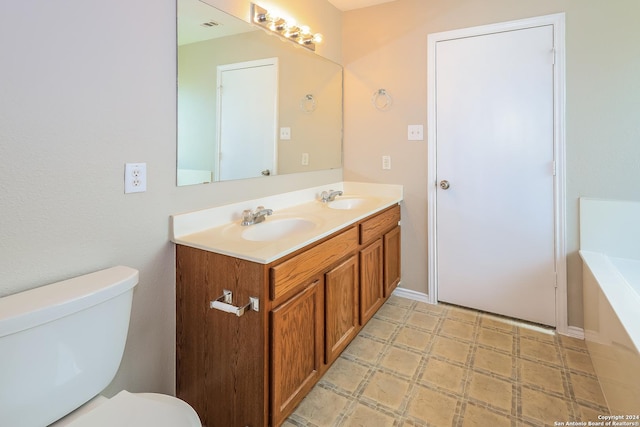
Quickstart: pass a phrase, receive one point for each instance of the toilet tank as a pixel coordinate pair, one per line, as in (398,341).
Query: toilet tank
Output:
(61,344)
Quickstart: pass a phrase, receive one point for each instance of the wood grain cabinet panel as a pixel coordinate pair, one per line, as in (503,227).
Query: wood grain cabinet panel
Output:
(341,307)
(296,350)
(392,263)
(371,270)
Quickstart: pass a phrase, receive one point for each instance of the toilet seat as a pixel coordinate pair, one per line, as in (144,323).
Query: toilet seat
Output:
(140,409)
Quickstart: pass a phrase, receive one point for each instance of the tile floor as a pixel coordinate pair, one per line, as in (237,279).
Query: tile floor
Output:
(416,364)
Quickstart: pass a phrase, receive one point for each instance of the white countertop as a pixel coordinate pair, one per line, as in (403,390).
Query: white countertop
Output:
(219,230)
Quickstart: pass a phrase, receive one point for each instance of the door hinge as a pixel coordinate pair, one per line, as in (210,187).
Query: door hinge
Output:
(554,168)
(553,56)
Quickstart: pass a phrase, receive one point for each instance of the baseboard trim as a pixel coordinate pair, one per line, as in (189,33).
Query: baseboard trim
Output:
(573,331)
(409,294)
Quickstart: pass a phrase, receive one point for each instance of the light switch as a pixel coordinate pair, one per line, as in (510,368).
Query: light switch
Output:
(386,162)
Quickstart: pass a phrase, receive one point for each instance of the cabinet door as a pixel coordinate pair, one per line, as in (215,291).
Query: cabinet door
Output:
(371,285)
(391,261)
(296,349)
(341,307)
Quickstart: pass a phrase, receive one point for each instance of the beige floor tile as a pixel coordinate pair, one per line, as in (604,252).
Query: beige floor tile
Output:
(544,408)
(492,391)
(386,389)
(587,414)
(400,301)
(376,382)
(464,314)
(587,389)
(498,339)
(413,338)
(539,375)
(579,361)
(401,361)
(494,362)
(571,342)
(321,406)
(365,349)
(477,416)
(345,374)
(439,309)
(536,350)
(537,333)
(363,416)
(450,349)
(380,328)
(498,323)
(425,321)
(393,312)
(432,407)
(444,375)
(457,329)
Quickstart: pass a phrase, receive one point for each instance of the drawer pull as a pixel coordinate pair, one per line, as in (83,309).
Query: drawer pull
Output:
(225,303)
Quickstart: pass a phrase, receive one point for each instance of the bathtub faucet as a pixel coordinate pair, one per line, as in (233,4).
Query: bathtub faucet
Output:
(329,196)
(254,217)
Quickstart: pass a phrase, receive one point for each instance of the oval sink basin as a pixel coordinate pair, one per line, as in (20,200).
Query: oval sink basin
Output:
(275,229)
(346,203)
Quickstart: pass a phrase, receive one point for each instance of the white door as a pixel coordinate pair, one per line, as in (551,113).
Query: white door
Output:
(495,173)
(247,119)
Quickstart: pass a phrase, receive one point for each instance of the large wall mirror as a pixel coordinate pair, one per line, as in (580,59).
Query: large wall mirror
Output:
(251,104)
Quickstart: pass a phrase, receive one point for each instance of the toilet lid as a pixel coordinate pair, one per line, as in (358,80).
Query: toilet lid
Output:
(140,409)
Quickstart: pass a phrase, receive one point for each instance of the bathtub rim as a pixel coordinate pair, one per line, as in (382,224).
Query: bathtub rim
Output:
(622,297)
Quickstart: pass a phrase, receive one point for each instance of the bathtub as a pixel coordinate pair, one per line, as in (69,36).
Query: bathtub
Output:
(610,241)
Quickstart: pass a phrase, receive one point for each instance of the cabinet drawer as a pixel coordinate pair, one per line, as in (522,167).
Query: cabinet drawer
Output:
(376,226)
(297,270)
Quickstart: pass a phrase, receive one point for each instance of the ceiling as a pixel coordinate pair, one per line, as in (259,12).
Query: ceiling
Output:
(345,5)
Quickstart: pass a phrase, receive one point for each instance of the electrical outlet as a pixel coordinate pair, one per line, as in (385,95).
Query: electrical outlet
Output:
(386,162)
(305,159)
(415,133)
(285,134)
(135,177)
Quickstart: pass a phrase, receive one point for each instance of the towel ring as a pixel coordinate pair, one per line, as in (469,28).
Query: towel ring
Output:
(308,103)
(381,100)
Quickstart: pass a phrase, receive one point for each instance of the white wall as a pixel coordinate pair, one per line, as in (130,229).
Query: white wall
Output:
(385,46)
(86,86)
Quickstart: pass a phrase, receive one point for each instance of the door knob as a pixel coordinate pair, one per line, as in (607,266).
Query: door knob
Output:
(444,184)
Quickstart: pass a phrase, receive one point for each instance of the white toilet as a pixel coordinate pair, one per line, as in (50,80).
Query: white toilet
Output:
(61,345)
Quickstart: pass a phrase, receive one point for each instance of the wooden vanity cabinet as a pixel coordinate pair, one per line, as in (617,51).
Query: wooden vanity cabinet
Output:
(253,370)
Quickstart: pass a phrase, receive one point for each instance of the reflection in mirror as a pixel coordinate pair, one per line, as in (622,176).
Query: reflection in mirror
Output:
(251,104)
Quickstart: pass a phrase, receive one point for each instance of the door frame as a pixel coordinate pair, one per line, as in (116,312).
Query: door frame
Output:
(558,22)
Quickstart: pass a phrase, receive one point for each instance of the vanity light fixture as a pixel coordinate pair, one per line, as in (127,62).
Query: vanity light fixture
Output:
(288,29)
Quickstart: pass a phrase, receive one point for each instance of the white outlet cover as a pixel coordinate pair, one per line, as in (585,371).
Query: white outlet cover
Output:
(285,133)
(415,132)
(135,178)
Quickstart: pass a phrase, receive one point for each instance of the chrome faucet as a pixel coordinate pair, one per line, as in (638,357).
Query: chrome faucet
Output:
(329,196)
(254,217)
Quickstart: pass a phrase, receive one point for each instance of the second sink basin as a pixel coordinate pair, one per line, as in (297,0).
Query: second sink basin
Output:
(274,229)
(346,203)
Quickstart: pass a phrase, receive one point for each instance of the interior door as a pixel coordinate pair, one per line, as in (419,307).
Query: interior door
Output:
(495,171)
(247,119)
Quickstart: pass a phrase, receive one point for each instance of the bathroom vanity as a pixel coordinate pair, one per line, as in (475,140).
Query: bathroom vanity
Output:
(313,289)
